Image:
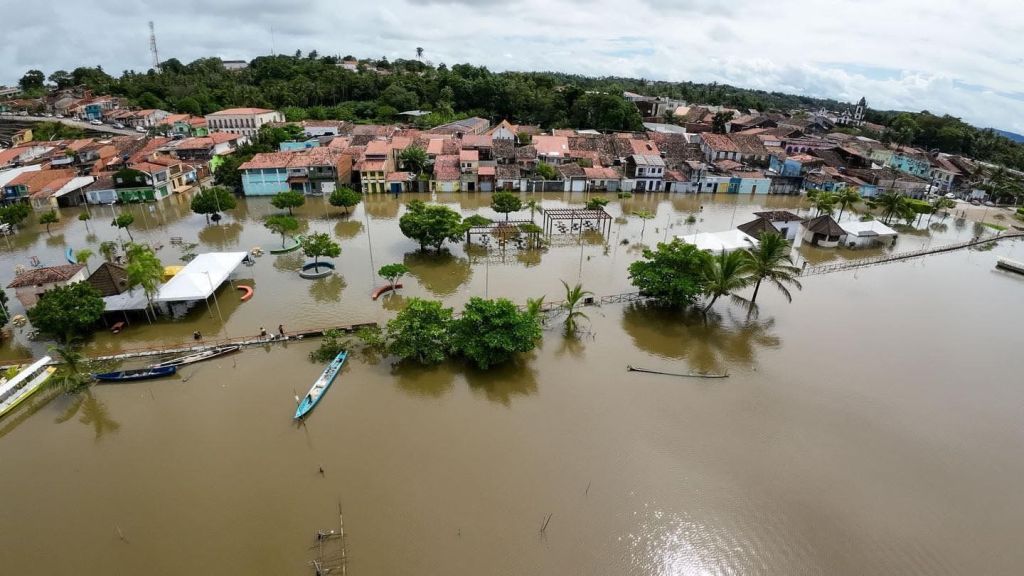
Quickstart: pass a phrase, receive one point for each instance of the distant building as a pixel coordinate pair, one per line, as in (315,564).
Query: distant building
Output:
(233,65)
(245,121)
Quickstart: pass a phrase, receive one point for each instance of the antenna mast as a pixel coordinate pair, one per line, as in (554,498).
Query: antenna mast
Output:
(152,47)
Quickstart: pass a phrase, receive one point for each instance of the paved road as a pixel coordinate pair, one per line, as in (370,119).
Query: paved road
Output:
(77,124)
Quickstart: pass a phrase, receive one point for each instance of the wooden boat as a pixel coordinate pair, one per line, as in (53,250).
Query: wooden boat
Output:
(320,386)
(197,356)
(132,375)
(690,375)
(247,291)
(70,256)
(117,327)
(1011,265)
(24,384)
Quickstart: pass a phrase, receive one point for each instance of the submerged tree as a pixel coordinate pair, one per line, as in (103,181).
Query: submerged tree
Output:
(82,257)
(846,199)
(491,332)
(345,197)
(393,273)
(724,274)
(320,244)
(673,274)
(892,204)
(430,224)
(124,220)
(48,218)
(575,297)
(420,332)
(288,200)
(214,200)
(67,312)
(414,159)
(506,202)
(281,224)
(771,261)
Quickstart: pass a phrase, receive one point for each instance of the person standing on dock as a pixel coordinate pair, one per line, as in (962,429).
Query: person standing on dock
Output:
(280,330)
(263,333)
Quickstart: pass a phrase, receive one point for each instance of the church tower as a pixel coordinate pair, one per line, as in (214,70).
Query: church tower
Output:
(858,114)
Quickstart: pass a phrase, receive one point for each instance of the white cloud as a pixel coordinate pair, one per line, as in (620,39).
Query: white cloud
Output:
(946,56)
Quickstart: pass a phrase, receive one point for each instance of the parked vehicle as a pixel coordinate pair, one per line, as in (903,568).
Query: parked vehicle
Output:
(96,123)
(48,115)
(118,125)
(58,115)
(140,129)
(951,196)
(989,203)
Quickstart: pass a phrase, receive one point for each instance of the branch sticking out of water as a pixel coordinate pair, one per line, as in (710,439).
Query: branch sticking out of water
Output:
(544,526)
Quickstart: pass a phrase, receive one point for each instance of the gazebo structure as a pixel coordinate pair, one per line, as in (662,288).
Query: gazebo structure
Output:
(505,231)
(578,220)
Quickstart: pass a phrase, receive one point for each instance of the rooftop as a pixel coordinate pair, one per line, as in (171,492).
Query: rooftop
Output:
(47,275)
(240,111)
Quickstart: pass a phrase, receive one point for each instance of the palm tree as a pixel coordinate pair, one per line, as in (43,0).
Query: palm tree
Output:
(824,202)
(1002,185)
(846,198)
(892,203)
(535,308)
(533,205)
(574,297)
(772,261)
(724,274)
(419,52)
(71,376)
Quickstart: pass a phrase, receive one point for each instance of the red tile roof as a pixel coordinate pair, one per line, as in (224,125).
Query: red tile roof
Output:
(239,111)
(469,156)
(719,142)
(551,145)
(446,168)
(486,171)
(48,275)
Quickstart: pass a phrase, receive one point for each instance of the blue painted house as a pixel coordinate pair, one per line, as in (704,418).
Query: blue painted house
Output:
(913,163)
(266,174)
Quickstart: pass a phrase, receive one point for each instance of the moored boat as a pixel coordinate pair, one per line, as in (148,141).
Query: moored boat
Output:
(24,384)
(320,386)
(1011,265)
(132,375)
(197,356)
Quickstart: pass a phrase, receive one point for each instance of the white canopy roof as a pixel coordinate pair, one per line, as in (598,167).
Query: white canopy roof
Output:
(134,300)
(728,240)
(200,277)
(864,229)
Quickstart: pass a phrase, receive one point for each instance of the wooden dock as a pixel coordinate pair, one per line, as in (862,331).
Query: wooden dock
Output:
(206,344)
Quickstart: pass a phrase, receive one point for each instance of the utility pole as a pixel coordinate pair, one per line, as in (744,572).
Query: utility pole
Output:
(152,47)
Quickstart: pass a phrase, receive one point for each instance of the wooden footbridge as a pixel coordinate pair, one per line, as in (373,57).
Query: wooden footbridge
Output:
(899,256)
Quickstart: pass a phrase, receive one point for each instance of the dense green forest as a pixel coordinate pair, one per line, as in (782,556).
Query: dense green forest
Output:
(314,87)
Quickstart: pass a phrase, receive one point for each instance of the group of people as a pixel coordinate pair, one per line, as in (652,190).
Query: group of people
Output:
(197,335)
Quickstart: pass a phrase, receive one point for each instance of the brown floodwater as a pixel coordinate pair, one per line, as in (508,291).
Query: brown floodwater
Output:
(873,426)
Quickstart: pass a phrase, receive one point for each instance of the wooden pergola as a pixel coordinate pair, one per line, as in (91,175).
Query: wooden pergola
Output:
(502,231)
(594,219)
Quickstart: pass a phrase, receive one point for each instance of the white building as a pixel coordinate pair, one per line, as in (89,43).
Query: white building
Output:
(245,121)
(861,234)
(715,242)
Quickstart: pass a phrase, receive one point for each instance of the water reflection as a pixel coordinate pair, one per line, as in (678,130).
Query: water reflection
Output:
(501,383)
(347,229)
(221,236)
(55,240)
(327,289)
(392,301)
(710,346)
(91,412)
(289,262)
(441,274)
(381,207)
(426,381)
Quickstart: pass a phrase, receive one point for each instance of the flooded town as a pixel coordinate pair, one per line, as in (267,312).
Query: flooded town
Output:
(399,321)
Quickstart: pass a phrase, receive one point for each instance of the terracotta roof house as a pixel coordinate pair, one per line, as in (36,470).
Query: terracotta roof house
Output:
(31,284)
(718,147)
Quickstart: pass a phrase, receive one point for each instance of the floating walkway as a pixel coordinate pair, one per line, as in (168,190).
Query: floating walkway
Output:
(898,256)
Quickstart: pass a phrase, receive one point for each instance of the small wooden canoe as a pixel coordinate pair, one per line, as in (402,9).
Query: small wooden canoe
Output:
(132,375)
(246,292)
(320,386)
(117,327)
(197,356)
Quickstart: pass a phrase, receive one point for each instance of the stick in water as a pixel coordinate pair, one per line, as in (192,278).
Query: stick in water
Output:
(544,527)
(121,534)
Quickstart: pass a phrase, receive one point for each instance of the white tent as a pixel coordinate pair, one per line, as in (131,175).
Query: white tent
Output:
(728,240)
(200,277)
(870,228)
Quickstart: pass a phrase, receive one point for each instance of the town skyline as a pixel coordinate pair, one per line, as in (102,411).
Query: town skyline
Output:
(932,64)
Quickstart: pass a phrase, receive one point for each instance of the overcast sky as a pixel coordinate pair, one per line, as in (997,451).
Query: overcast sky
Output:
(946,56)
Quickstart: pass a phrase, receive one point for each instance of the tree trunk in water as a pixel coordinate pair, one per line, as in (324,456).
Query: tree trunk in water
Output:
(710,304)
(129,234)
(840,214)
(756,288)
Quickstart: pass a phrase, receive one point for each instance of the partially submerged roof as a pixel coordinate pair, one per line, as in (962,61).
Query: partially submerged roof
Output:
(46,275)
(727,240)
(866,229)
(758,226)
(778,216)
(825,225)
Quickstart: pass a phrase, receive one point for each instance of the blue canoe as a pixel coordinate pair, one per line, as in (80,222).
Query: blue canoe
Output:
(321,385)
(140,374)
(70,255)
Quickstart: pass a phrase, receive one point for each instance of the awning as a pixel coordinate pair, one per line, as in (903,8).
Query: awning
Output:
(200,277)
(134,300)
